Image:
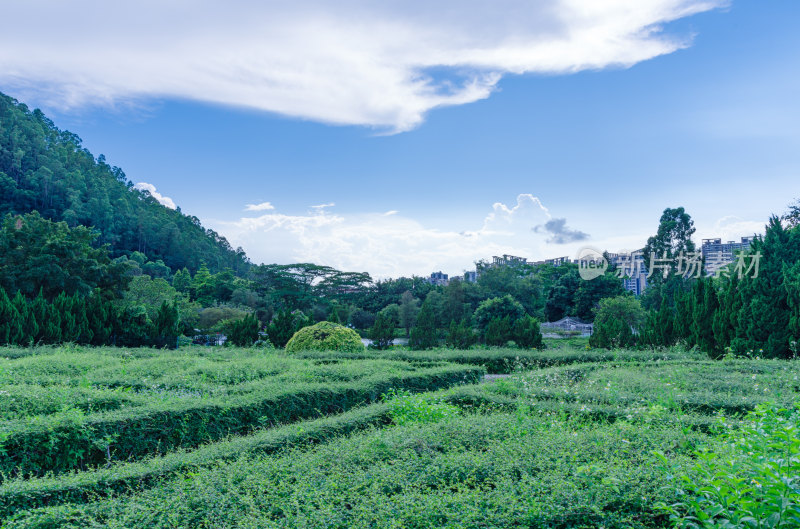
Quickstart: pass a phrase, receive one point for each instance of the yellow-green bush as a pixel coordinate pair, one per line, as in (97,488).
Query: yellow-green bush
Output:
(325,336)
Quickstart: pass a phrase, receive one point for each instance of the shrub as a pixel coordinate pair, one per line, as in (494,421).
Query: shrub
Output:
(493,308)
(616,321)
(242,332)
(423,334)
(498,331)
(382,333)
(527,334)
(407,408)
(751,478)
(284,325)
(460,336)
(325,336)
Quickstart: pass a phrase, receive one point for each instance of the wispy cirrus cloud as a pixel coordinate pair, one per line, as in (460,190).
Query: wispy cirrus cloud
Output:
(263,206)
(353,62)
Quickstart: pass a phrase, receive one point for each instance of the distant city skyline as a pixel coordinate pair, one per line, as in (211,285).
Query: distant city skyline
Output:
(403,139)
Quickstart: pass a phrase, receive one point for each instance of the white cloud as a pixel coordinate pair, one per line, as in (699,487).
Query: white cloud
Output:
(731,228)
(393,245)
(150,188)
(263,206)
(381,64)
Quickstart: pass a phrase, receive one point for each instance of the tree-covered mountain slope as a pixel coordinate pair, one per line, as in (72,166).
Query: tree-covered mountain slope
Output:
(46,169)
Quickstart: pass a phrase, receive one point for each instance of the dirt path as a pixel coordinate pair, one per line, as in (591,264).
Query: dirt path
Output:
(493,378)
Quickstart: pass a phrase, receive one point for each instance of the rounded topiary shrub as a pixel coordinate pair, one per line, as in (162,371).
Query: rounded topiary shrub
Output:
(325,336)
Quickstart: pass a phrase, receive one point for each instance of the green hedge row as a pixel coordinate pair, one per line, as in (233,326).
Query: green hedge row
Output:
(79,442)
(505,360)
(80,487)
(474,399)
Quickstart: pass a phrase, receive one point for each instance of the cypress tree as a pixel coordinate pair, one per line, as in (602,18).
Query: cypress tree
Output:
(26,327)
(6,311)
(460,335)
(766,319)
(101,315)
(382,332)
(37,311)
(63,305)
(52,325)
(725,319)
(527,333)
(499,331)
(792,286)
(165,326)
(704,307)
(82,329)
(423,334)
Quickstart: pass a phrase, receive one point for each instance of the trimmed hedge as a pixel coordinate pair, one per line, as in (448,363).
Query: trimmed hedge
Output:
(474,399)
(80,487)
(500,470)
(499,361)
(59,444)
(325,336)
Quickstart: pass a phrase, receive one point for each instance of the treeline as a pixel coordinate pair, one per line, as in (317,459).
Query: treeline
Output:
(47,170)
(90,320)
(751,310)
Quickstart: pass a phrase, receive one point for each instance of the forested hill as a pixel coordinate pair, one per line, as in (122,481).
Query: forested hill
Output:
(45,169)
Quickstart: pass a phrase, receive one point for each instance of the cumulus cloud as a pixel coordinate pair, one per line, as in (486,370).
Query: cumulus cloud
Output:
(150,188)
(560,232)
(731,228)
(380,64)
(391,245)
(263,206)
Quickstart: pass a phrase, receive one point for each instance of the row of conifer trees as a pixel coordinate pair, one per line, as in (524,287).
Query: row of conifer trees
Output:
(757,314)
(91,320)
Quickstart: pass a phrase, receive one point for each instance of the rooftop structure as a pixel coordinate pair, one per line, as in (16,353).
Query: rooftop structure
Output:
(508,260)
(717,254)
(438,278)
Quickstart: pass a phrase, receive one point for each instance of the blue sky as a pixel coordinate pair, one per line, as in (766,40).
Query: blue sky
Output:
(604,131)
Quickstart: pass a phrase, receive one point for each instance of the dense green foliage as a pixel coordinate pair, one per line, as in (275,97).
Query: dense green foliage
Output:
(80,320)
(69,410)
(616,322)
(382,332)
(747,477)
(38,255)
(47,170)
(18,494)
(577,445)
(325,336)
(573,446)
(242,332)
(755,316)
(527,334)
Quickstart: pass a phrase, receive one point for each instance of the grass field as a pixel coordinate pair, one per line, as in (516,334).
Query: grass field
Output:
(570,438)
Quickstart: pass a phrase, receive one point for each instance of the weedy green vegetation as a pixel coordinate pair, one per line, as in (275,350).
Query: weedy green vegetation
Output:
(646,388)
(406,408)
(570,439)
(504,360)
(747,477)
(153,404)
(500,470)
(80,487)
